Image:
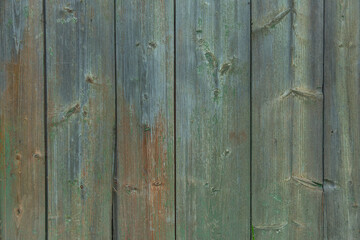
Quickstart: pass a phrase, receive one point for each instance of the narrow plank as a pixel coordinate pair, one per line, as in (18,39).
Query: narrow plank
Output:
(287,118)
(145,103)
(81,117)
(22,140)
(342,129)
(213,119)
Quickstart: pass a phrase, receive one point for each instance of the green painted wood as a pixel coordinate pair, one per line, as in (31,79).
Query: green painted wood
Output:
(145,207)
(287,102)
(22,155)
(342,151)
(81,118)
(213,119)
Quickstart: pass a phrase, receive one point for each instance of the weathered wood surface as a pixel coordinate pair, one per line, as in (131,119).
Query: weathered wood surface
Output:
(145,207)
(22,140)
(165,120)
(287,102)
(213,119)
(342,121)
(81,118)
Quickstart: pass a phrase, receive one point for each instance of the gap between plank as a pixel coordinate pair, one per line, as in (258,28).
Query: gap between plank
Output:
(323,123)
(175,140)
(251,137)
(45,123)
(114,179)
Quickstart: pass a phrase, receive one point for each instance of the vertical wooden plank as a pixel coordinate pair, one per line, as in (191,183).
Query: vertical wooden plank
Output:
(287,118)
(81,117)
(342,133)
(22,161)
(145,103)
(213,119)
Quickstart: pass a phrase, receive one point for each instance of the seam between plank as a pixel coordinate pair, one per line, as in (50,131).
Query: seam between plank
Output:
(175,139)
(45,123)
(251,137)
(114,179)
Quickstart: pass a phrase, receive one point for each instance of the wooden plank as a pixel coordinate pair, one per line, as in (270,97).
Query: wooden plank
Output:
(22,155)
(342,151)
(287,125)
(81,117)
(145,102)
(213,119)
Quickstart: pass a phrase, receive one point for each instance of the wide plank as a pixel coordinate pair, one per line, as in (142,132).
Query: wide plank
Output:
(287,119)
(342,118)
(213,119)
(22,140)
(145,207)
(81,117)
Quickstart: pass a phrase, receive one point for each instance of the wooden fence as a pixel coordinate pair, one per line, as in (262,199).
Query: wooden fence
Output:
(186,119)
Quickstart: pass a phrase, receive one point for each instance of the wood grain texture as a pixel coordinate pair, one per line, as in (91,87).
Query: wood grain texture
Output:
(22,155)
(342,132)
(81,117)
(145,207)
(287,117)
(213,119)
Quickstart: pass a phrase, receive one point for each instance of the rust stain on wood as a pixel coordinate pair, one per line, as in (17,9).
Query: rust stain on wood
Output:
(144,178)
(21,138)
(238,137)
